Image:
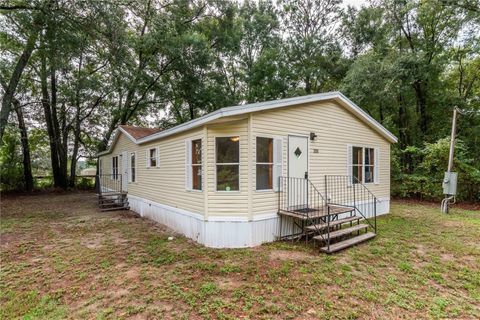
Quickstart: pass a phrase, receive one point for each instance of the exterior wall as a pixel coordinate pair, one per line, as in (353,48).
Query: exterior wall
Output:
(246,217)
(164,184)
(228,203)
(335,128)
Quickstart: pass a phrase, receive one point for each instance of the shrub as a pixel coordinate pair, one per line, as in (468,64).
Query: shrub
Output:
(422,176)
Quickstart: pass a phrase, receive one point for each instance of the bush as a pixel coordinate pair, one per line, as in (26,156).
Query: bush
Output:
(422,177)
(11,166)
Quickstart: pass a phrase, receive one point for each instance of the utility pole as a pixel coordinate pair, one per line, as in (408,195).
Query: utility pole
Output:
(452,139)
(450,179)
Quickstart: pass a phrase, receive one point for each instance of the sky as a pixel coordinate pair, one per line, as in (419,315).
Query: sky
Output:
(353,3)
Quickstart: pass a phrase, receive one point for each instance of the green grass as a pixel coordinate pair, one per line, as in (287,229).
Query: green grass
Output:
(61,258)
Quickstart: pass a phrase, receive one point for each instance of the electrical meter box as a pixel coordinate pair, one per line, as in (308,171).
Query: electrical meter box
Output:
(450,183)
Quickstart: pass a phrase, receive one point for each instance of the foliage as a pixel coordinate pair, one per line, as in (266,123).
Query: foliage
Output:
(422,265)
(432,162)
(11,171)
(98,64)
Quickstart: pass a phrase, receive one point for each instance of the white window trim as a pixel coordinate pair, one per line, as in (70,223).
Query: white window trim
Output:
(157,157)
(226,164)
(376,165)
(189,165)
(114,173)
(130,167)
(265,163)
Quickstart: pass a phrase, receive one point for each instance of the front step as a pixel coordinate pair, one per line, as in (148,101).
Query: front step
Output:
(342,232)
(332,223)
(115,208)
(348,243)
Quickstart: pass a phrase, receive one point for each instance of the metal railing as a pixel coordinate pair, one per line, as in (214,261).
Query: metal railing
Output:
(300,195)
(301,200)
(109,183)
(348,191)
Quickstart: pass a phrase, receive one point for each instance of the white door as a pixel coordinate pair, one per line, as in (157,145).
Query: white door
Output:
(124,171)
(297,172)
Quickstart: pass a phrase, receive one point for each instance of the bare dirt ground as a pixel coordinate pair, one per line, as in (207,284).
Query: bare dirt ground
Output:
(62,258)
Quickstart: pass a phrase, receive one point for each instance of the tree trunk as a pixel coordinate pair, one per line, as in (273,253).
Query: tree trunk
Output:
(57,131)
(48,121)
(420,94)
(76,144)
(12,85)
(27,167)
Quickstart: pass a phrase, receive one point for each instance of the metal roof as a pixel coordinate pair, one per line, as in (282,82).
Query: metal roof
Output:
(268,105)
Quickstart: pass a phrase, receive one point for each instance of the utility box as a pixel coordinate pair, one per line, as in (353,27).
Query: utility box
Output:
(450,183)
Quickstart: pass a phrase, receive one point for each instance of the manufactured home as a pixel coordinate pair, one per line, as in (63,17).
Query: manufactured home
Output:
(314,166)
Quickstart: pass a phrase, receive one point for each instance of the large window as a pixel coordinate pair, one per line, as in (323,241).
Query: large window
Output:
(264,163)
(363,165)
(196,166)
(115,167)
(133,168)
(227,163)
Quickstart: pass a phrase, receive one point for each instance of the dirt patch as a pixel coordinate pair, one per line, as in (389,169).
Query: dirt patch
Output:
(288,255)
(69,257)
(447,257)
(229,283)
(474,206)
(119,293)
(95,241)
(132,274)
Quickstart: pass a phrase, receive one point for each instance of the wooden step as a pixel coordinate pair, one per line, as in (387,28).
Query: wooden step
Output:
(342,232)
(332,223)
(348,243)
(116,208)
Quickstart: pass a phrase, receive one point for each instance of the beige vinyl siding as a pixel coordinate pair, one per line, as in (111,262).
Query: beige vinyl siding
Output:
(228,203)
(164,184)
(123,143)
(336,128)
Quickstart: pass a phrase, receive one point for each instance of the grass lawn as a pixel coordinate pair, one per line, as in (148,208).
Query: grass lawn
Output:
(61,258)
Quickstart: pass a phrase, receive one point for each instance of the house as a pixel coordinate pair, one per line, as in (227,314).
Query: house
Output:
(232,177)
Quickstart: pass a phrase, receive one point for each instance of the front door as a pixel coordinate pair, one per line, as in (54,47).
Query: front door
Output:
(124,161)
(297,171)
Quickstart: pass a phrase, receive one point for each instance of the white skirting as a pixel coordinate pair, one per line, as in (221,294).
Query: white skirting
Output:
(219,232)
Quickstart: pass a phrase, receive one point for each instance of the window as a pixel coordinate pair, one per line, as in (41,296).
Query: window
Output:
(115,168)
(357,164)
(152,157)
(363,164)
(193,162)
(100,169)
(133,167)
(227,163)
(197,164)
(264,163)
(369,165)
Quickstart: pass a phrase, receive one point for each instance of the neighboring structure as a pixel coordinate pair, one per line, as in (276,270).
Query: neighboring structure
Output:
(223,179)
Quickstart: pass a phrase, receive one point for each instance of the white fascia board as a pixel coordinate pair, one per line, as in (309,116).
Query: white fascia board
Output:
(237,110)
(114,141)
(374,123)
(260,106)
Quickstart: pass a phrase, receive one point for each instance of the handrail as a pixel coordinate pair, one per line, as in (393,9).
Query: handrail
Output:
(300,197)
(374,205)
(349,191)
(109,183)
